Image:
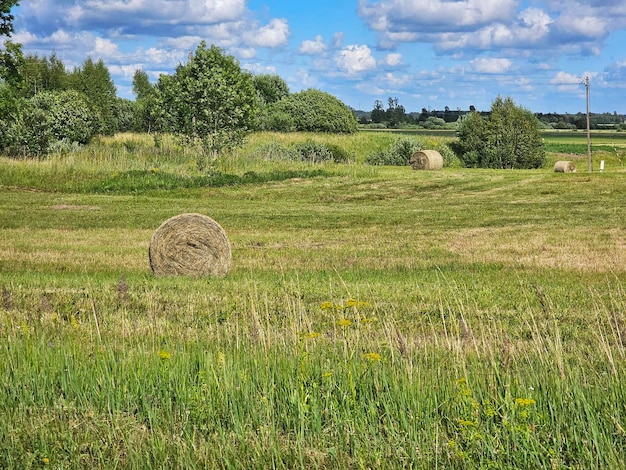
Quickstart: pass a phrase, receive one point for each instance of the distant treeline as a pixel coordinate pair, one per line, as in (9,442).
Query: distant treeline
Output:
(395,116)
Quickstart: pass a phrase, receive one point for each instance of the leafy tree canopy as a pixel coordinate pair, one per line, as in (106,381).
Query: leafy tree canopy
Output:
(48,119)
(270,88)
(93,79)
(142,88)
(209,101)
(314,111)
(508,138)
(6,18)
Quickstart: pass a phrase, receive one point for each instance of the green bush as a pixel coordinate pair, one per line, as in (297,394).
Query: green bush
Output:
(308,151)
(272,119)
(340,155)
(313,152)
(397,154)
(313,111)
(508,138)
(49,118)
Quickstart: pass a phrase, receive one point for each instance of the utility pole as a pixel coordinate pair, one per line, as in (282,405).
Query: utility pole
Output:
(589,165)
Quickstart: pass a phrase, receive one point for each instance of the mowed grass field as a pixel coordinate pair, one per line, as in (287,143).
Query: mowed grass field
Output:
(374,317)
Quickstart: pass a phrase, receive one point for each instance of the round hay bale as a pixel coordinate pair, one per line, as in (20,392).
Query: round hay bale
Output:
(190,245)
(564,166)
(426,160)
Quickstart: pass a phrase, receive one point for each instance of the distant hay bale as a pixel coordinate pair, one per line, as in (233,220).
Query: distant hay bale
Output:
(190,245)
(426,160)
(564,166)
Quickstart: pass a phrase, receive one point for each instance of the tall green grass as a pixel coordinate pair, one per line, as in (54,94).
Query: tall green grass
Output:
(94,380)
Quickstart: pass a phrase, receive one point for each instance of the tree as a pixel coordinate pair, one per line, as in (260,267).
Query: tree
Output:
(315,111)
(210,101)
(93,79)
(6,18)
(509,138)
(49,118)
(396,113)
(142,88)
(378,113)
(270,88)
(145,102)
(11,61)
(42,74)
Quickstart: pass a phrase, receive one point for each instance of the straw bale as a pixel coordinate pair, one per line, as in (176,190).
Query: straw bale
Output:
(426,160)
(564,166)
(190,245)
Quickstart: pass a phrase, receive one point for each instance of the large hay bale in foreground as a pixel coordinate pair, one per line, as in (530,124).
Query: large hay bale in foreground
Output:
(564,166)
(190,245)
(426,160)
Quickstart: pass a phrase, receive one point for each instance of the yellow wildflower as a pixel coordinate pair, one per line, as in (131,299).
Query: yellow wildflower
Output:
(344,322)
(312,335)
(372,357)
(45,460)
(327,306)
(465,422)
(326,375)
(525,401)
(164,355)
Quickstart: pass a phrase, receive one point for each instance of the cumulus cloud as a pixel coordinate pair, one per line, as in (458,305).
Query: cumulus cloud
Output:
(395,80)
(152,12)
(105,48)
(567,82)
(549,26)
(314,47)
(586,27)
(355,59)
(274,34)
(434,15)
(393,59)
(224,22)
(490,65)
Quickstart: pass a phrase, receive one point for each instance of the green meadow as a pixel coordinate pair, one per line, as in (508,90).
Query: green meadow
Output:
(373,317)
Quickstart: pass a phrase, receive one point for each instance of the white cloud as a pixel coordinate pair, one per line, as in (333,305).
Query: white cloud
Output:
(370,89)
(395,80)
(434,15)
(314,47)
(244,52)
(257,68)
(149,12)
(564,78)
(338,39)
(490,65)
(274,34)
(587,26)
(567,82)
(393,59)
(105,48)
(303,80)
(355,59)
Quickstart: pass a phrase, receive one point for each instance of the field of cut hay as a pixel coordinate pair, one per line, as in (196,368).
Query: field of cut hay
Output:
(370,316)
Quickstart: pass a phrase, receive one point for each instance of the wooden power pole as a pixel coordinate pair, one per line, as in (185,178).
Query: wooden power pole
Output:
(589,165)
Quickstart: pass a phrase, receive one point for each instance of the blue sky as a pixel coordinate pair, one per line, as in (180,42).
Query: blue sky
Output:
(426,53)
